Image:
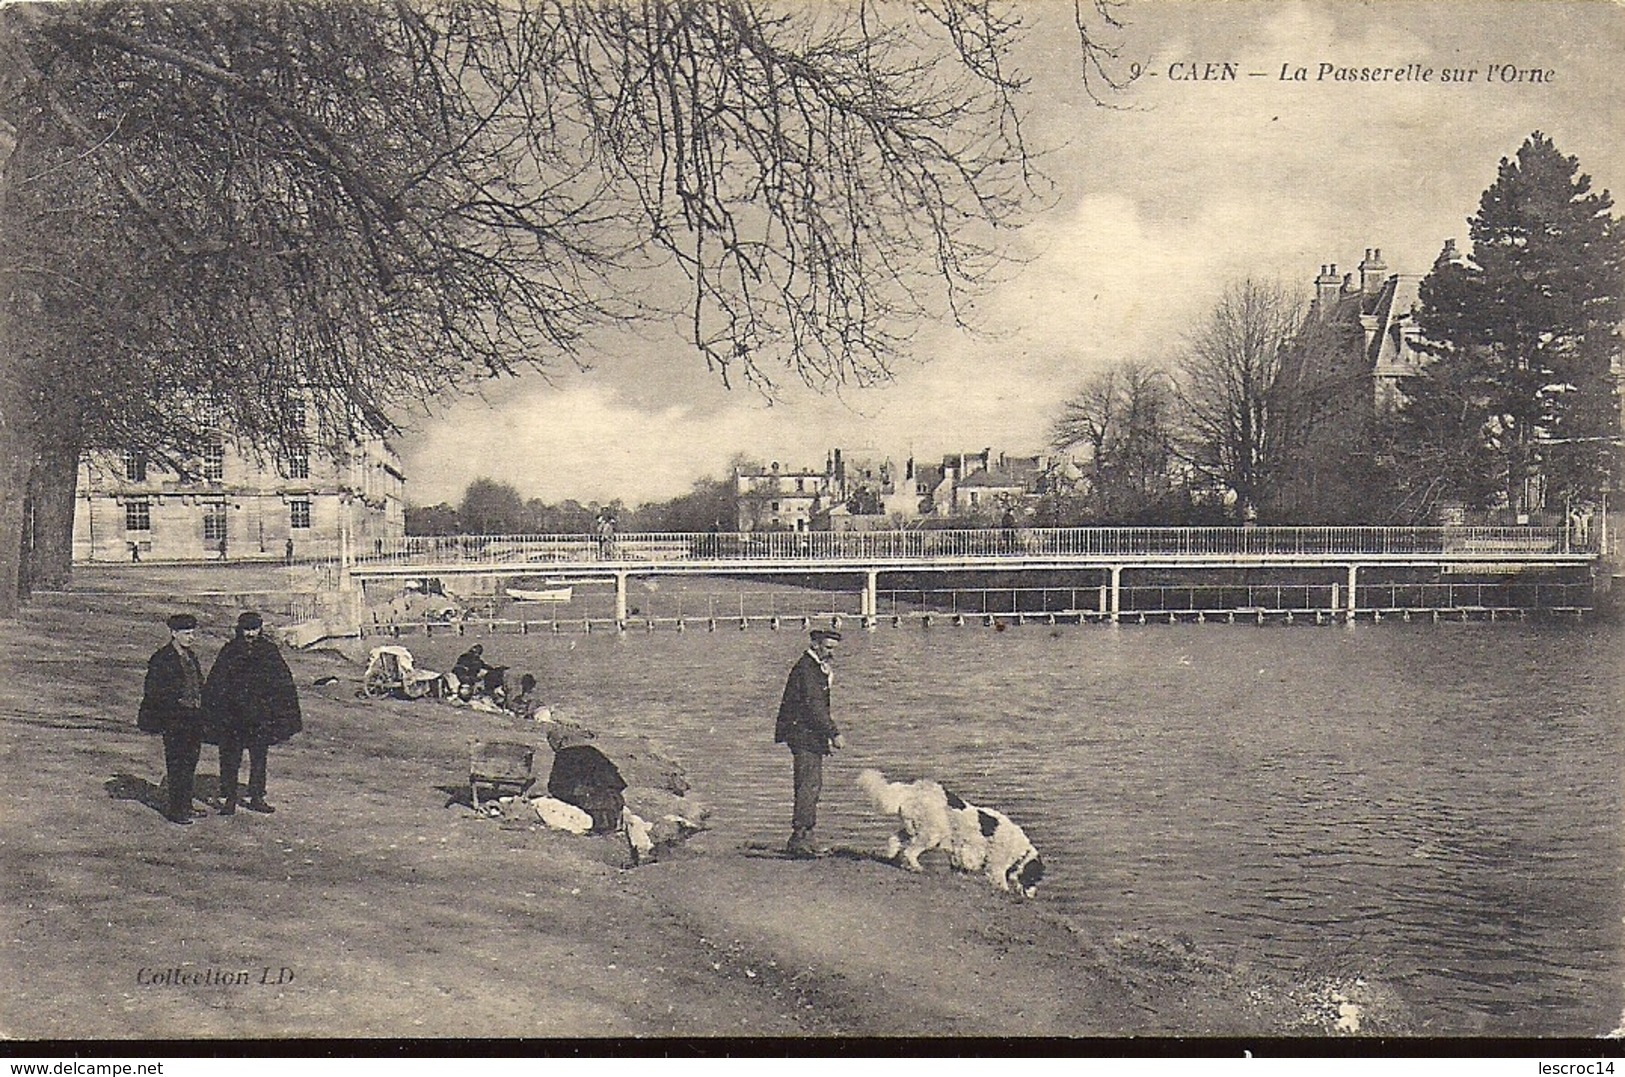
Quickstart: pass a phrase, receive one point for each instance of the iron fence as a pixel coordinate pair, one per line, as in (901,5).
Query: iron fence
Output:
(1193,598)
(1465,543)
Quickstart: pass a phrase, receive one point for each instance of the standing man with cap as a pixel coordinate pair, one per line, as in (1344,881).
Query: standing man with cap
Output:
(252,704)
(172,704)
(804,723)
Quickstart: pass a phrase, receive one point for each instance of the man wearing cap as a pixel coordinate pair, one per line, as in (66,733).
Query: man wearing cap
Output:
(172,704)
(252,704)
(804,723)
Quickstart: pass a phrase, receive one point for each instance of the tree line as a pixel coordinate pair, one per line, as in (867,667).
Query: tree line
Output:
(1268,412)
(491,507)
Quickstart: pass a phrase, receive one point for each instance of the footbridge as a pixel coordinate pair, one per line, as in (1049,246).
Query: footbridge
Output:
(865,555)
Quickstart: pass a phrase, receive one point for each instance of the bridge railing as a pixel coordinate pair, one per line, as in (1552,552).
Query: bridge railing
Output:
(1482,543)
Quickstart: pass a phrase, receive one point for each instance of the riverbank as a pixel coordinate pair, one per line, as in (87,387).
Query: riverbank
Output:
(371,905)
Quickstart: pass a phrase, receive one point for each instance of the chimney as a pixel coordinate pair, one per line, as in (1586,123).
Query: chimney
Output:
(1449,254)
(1372,270)
(1326,288)
(1348,283)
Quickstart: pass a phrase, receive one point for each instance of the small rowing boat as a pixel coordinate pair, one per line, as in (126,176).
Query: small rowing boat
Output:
(551,594)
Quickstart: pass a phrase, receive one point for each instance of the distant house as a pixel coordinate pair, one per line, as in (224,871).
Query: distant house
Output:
(871,491)
(236,506)
(1008,483)
(865,490)
(1349,367)
(854,491)
(980,483)
(779,499)
(927,481)
(954,469)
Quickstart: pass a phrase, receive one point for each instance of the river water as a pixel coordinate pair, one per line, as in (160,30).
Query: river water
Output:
(1436,808)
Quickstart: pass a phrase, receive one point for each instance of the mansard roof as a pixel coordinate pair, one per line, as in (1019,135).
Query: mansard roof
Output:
(1380,314)
(998,478)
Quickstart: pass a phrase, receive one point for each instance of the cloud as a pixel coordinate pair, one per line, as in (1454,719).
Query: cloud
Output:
(574,442)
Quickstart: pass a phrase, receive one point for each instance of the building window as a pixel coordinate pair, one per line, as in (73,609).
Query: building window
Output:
(299,514)
(214,461)
(135,466)
(299,465)
(214,521)
(775,506)
(801,486)
(138,514)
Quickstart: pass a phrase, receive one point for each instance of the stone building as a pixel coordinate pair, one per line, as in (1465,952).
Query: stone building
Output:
(238,506)
(775,499)
(1359,345)
(866,490)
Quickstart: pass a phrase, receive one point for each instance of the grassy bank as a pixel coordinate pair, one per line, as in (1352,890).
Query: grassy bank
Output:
(372,904)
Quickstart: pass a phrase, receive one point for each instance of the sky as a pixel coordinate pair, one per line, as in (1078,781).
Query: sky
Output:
(1179,188)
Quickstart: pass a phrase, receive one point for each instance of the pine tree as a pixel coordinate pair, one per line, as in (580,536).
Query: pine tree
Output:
(1519,409)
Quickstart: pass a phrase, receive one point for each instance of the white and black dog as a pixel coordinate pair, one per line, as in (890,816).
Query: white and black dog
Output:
(976,839)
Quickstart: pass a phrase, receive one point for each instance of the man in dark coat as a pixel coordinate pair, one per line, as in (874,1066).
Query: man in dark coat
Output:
(252,704)
(804,723)
(172,704)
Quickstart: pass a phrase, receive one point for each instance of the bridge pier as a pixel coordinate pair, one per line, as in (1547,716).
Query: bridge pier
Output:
(870,600)
(1117,591)
(620,598)
(1354,572)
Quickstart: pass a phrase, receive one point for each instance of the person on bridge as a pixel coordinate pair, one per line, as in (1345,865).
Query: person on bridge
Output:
(805,725)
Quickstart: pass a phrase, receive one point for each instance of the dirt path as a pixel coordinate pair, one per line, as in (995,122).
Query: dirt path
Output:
(371,905)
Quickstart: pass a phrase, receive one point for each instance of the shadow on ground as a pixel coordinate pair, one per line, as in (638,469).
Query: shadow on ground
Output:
(759,851)
(87,723)
(121,786)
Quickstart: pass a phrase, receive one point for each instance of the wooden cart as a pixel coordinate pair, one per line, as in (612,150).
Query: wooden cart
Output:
(390,672)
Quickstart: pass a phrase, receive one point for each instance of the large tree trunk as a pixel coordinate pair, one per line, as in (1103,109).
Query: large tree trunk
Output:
(17,432)
(48,550)
(16,448)
(13,481)
(16,460)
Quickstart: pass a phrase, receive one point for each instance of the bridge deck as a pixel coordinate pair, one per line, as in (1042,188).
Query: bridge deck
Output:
(985,549)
